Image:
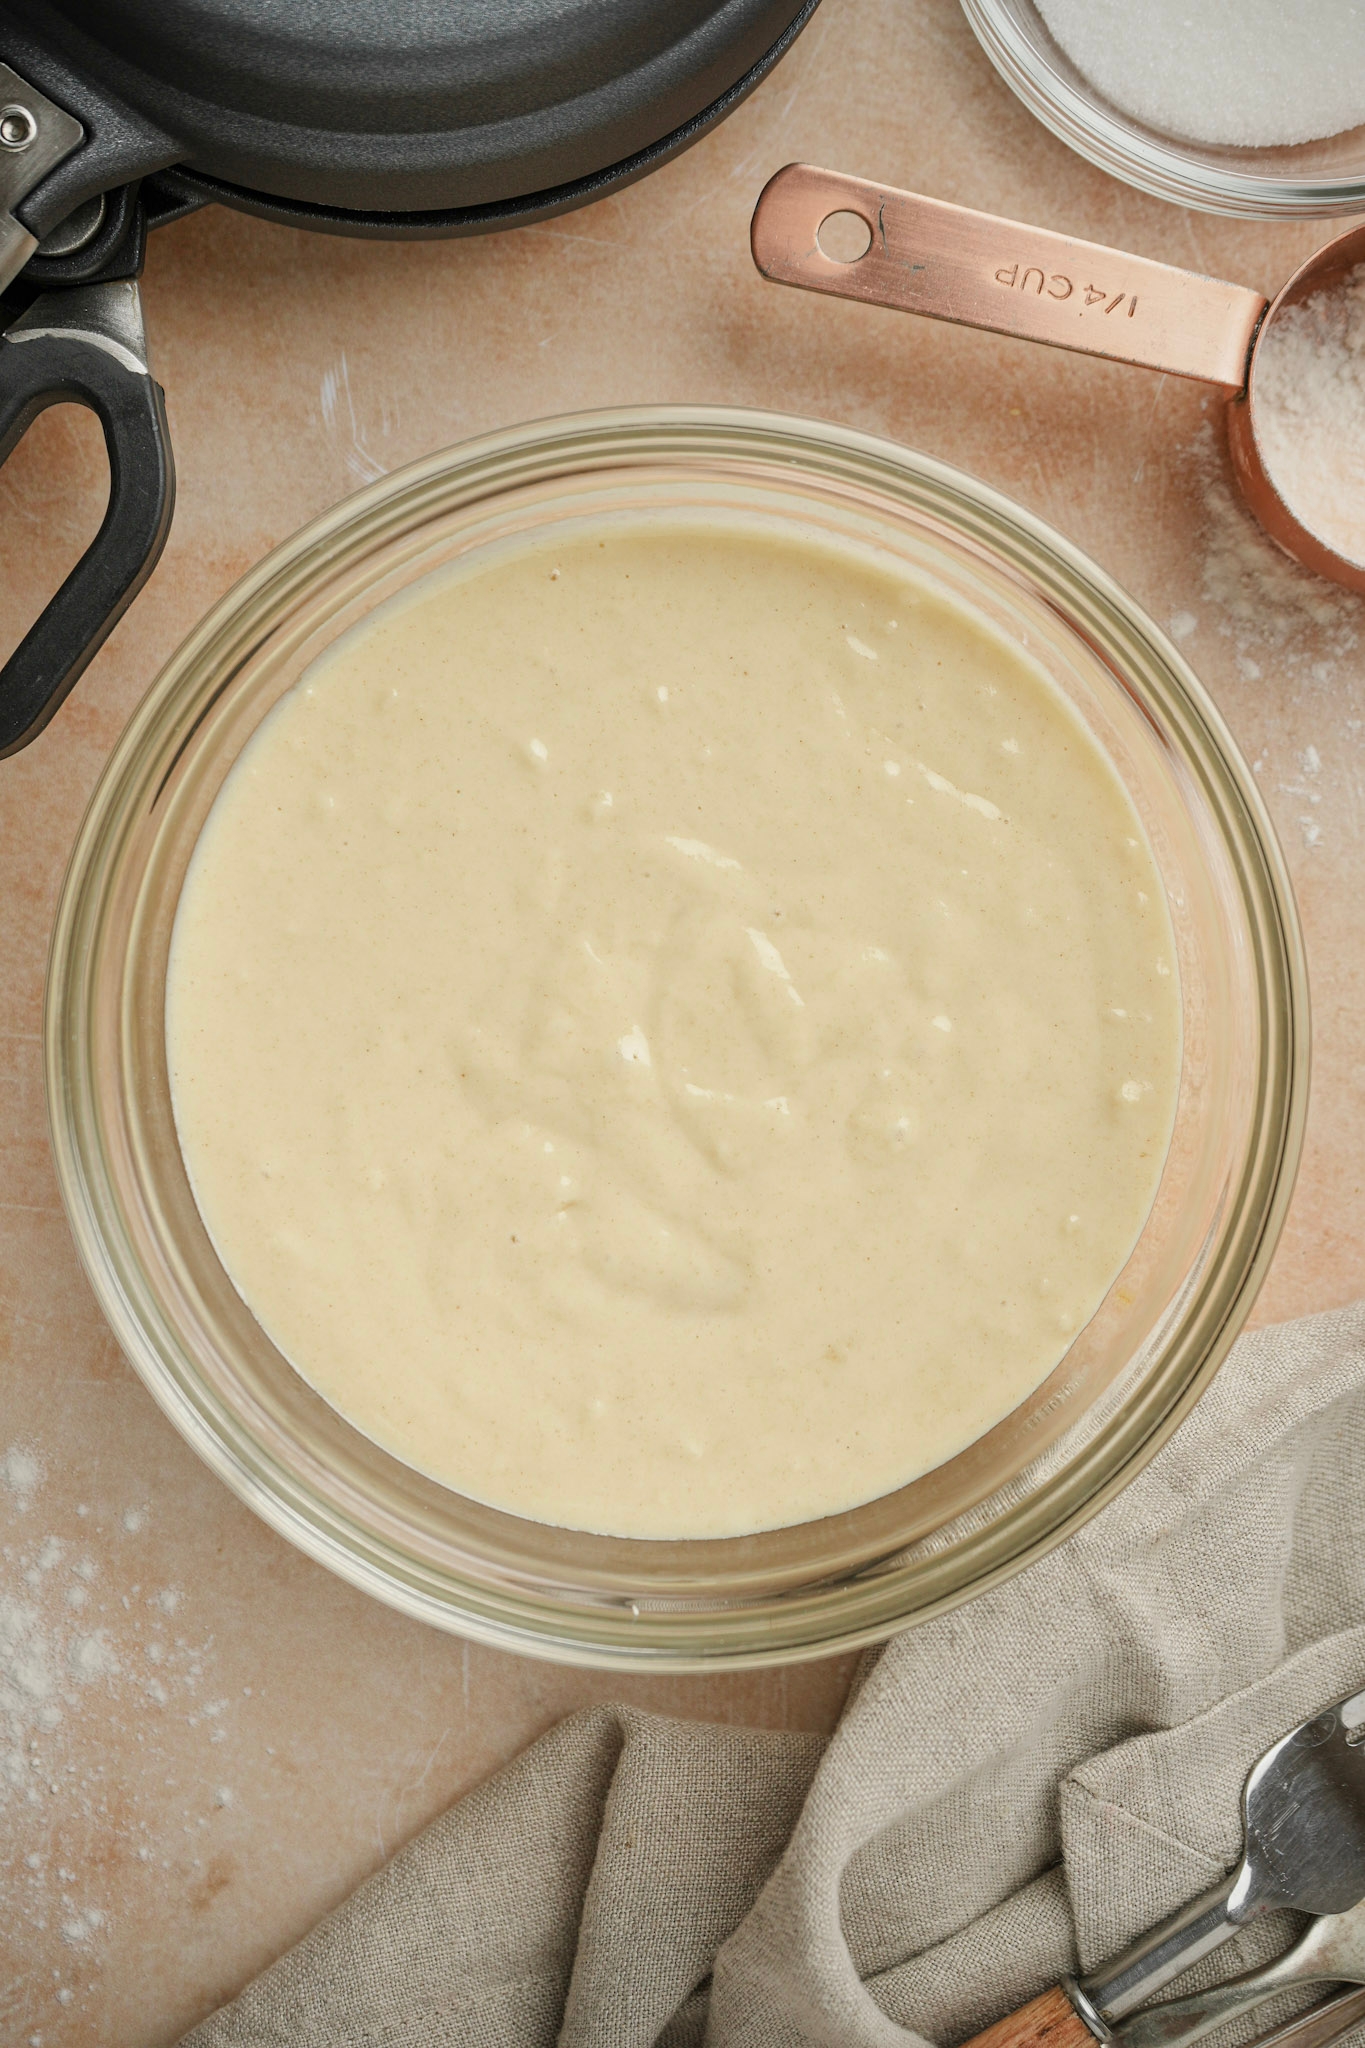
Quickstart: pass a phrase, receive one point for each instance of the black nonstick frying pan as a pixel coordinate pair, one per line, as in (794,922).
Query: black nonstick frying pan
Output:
(394,118)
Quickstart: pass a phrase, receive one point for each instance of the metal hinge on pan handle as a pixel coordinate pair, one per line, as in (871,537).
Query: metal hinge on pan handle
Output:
(35,135)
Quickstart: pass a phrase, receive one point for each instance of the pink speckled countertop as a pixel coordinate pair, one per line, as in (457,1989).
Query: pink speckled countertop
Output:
(205,1740)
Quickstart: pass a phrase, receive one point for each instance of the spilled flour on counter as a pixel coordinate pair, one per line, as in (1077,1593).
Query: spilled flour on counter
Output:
(1261,599)
(86,1674)
(1302,634)
(20,1473)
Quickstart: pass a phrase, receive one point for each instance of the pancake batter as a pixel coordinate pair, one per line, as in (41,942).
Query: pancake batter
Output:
(673,1031)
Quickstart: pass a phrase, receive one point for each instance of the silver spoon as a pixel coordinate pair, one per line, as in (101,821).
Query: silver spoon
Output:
(1332,1952)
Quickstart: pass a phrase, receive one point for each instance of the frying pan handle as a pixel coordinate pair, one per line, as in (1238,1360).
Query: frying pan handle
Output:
(86,347)
(924,256)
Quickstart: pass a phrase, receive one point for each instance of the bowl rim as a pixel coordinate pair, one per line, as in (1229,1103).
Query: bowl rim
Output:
(1138,155)
(795,1627)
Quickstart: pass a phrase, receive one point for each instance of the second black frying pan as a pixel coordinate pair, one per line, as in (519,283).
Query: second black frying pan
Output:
(396,118)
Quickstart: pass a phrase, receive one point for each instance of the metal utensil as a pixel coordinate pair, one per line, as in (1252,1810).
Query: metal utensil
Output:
(1303,1811)
(1320,2026)
(923,256)
(1332,1951)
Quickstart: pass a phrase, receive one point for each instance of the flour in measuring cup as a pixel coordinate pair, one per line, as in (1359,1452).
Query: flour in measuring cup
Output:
(1309,390)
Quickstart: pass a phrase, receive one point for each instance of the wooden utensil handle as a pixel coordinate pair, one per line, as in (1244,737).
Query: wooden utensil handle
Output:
(1049,2021)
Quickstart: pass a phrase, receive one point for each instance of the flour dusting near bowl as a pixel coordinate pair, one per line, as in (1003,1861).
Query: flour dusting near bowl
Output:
(77,1662)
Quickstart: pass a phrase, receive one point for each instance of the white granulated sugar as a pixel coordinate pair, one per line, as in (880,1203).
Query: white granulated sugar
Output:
(1309,391)
(1246,72)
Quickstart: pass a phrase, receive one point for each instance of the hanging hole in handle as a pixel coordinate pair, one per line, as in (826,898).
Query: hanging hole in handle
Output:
(85,345)
(844,237)
(53,492)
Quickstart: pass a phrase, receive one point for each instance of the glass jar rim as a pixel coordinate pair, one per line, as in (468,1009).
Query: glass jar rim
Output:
(1187,174)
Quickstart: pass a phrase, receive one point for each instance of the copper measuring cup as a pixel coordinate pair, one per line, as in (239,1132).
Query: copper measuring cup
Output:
(924,256)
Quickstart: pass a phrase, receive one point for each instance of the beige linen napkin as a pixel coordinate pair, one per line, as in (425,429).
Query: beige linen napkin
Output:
(1015,1788)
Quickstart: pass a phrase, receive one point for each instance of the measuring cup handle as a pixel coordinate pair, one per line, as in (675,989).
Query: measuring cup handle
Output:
(925,256)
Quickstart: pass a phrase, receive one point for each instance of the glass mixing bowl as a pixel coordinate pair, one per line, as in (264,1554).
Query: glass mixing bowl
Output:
(820,1586)
(1294,181)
